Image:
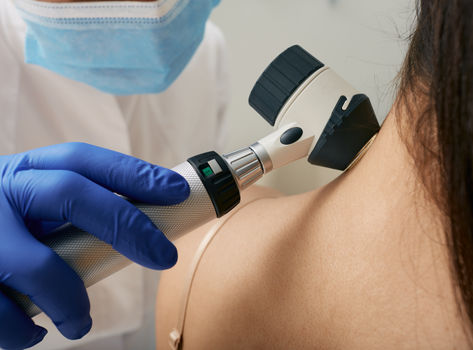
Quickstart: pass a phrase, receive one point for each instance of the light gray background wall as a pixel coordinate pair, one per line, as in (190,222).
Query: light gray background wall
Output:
(360,39)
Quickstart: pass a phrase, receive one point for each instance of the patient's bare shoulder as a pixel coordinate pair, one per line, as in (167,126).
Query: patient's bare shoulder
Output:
(210,274)
(300,272)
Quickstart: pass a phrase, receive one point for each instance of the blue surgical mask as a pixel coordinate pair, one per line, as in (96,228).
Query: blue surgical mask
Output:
(119,47)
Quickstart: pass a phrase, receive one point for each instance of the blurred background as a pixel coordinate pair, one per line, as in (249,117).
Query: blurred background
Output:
(363,40)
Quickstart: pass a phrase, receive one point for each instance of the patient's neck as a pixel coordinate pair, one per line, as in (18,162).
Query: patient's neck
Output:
(384,187)
(378,216)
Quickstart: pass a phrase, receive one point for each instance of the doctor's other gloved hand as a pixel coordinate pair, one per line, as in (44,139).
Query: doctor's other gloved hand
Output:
(74,182)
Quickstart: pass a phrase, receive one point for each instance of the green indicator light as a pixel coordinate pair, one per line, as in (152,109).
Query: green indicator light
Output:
(207,171)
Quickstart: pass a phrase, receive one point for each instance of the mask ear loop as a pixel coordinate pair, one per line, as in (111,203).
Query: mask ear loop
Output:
(362,152)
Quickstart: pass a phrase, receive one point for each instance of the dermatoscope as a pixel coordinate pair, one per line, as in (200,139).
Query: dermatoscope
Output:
(317,115)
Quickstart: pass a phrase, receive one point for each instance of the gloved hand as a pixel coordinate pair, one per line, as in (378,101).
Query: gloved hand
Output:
(73,183)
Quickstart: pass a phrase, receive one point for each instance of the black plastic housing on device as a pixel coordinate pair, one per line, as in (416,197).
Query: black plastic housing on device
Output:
(221,187)
(346,133)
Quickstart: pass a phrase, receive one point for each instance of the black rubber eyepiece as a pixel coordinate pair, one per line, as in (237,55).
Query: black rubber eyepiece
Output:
(279,81)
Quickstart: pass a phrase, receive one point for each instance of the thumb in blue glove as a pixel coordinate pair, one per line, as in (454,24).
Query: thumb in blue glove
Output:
(73,183)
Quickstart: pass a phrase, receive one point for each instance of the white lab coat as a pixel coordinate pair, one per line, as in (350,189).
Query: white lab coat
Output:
(39,108)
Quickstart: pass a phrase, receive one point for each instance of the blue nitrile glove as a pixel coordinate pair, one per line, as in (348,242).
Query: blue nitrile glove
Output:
(73,183)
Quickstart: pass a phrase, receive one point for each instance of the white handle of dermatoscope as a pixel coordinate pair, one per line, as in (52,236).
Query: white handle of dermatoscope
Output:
(282,154)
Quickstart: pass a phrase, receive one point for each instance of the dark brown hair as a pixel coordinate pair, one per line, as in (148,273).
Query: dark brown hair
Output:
(437,81)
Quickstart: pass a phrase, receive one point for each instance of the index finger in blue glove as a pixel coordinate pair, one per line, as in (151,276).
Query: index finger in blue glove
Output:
(115,171)
(57,195)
